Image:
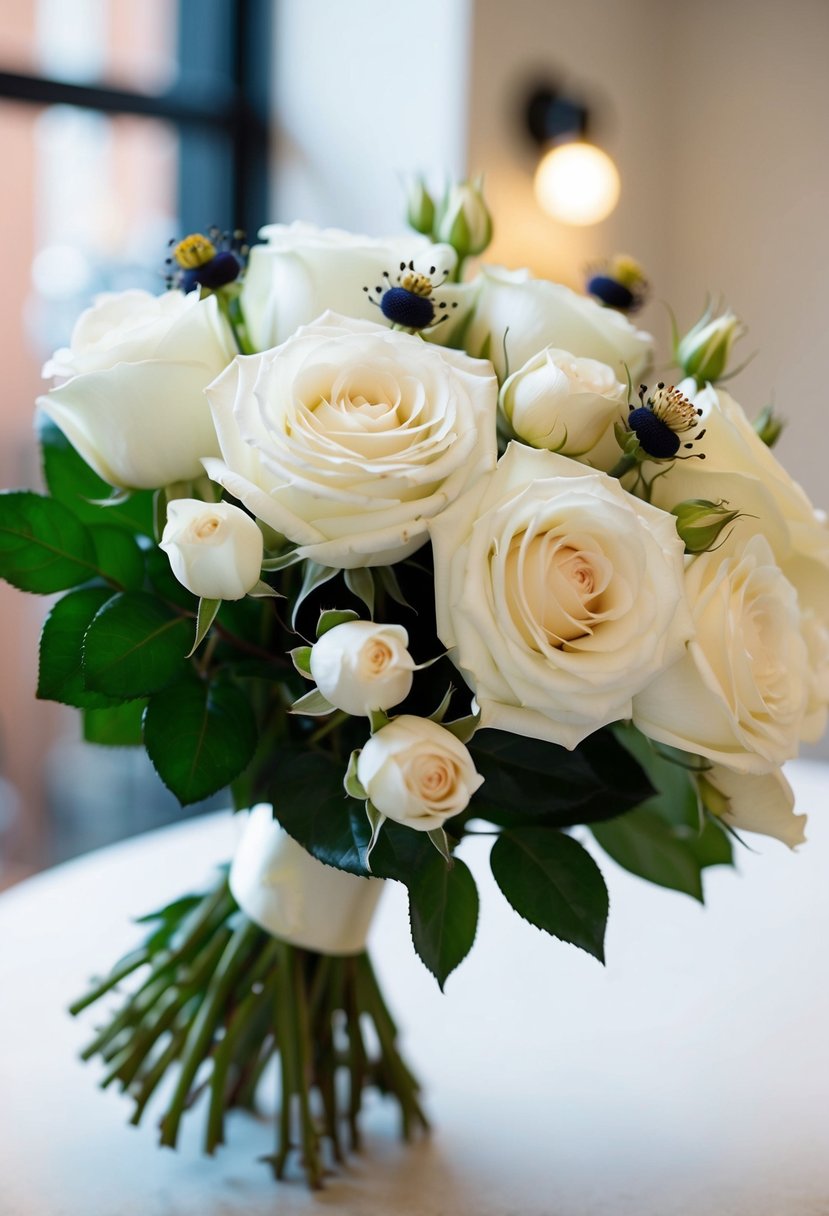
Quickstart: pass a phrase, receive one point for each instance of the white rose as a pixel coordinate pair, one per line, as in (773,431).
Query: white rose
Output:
(359,666)
(417,773)
(740,468)
(215,549)
(304,271)
(560,594)
(741,693)
(132,402)
(755,802)
(133,395)
(349,437)
(562,403)
(516,316)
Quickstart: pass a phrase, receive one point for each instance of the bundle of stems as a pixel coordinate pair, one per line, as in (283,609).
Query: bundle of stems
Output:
(213,1000)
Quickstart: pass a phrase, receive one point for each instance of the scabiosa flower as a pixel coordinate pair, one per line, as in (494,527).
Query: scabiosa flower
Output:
(409,301)
(660,421)
(618,283)
(210,261)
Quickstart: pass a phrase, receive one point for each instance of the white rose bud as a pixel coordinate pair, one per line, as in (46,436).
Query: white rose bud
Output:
(360,666)
(417,773)
(464,221)
(215,549)
(562,403)
(704,351)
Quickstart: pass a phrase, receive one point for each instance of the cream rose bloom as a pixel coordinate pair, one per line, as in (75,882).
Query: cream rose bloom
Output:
(350,436)
(754,802)
(741,694)
(132,399)
(559,594)
(359,666)
(215,549)
(525,315)
(561,402)
(417,773)
(303,271)
(739,468)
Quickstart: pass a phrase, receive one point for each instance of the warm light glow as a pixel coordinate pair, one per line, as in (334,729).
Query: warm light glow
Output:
(577,183)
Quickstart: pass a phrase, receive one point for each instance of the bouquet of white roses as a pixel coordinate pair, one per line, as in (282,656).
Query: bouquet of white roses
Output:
(397,556)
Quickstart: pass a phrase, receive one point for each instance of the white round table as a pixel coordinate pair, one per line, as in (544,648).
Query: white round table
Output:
(689,1076)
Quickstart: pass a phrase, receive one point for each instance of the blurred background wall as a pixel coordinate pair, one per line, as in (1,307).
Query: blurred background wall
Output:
(714,111)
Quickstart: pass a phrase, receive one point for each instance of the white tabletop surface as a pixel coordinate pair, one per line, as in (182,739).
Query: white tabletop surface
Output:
(690,1077)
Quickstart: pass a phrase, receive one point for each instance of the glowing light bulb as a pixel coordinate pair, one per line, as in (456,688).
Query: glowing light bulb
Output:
(577,183)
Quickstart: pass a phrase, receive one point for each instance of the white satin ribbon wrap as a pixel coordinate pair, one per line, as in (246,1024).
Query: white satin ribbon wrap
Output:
(290,894)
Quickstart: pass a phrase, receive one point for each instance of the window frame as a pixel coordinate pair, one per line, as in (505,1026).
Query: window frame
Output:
(220,106)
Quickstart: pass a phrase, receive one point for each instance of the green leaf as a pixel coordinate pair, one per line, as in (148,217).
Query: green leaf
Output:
(199,736)
(645,844)
(329,824)
(60,674)
(118,555)
(43,546)
(443,910)
(676,800)
(71,481)
(118,726)
(311,804)
(134,646)
(529,781)
(553,883)
(331,617)
(313,704)
(301,659)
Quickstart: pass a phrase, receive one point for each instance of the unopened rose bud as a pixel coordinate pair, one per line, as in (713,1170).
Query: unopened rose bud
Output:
(420,207)
(464,221)
(562,403)
(769,425)
(700,523)
(215,549)
(417,773)
(704,351)
(360,666)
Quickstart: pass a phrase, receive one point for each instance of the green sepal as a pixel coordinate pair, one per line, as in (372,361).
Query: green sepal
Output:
(263,591)
(301,658)
(206,615)
(282,561)
(351,782)
(442,710)
(314,576)
(464,728)
(391,585)
(377,719)
(440,840)
(360,582)
(376,820)
(312,705)
(331,617)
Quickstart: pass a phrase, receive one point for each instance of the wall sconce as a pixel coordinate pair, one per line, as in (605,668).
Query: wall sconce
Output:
(575,181)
